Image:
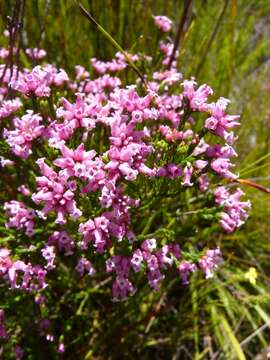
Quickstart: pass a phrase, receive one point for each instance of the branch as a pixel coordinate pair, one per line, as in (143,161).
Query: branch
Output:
(180,29)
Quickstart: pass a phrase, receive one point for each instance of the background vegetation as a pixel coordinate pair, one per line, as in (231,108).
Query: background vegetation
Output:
(226,44)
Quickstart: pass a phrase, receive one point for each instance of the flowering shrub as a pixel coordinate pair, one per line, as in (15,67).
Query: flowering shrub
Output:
(113,177)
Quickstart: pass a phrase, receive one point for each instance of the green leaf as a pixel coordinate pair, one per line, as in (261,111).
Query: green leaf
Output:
(235,344)
(263,315)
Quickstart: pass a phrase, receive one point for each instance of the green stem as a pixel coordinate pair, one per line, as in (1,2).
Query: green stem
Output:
(112,41)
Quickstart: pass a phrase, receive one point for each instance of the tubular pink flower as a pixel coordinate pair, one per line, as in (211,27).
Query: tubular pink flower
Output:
(163,23)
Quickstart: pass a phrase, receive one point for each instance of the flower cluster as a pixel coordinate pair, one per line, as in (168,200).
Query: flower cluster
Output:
(19,217)
(163,23)
(27,129)
(63,241)
(38,82)
(9,107)
(56,193)
(117,64)
(36,53)
(114,170)
(235,210)
(21,275)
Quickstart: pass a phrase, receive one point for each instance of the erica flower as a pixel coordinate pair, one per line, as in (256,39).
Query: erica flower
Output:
(220,122)
(197,97)
(54,192)
(85,265)
(185,268)
(35,82)
(8,107)
(96,231)
(49,255)
(120,164)
(235,211)
(210,261)
(19,217)
(27,129)
(163,23)
(222,167)
(36,53)
(121,288)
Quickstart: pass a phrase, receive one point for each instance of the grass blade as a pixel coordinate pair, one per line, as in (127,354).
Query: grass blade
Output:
(235,344)
(112,41)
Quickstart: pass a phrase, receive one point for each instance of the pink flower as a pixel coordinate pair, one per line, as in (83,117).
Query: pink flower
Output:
(61,348)
(204,182)
(85,265)
(24,190)
(222,167)
(174,171)
(188,171)
(4,53)
(136,260)
(76,162)
(48,253)
(163,23)
(35,82)
(200,164)
(6,162)
(154,279)
(78,114)
(81,73)
(167,49)
(18,352)
(121,288)
(5,261)
(235,211)
(210,262)
(53,190)
(27,129)
(36,53)
(96,231)
(197,97)
(168,77)
(63,241)
(149,245)
(8,107)
(19,217)
(219,122)
(185,268)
